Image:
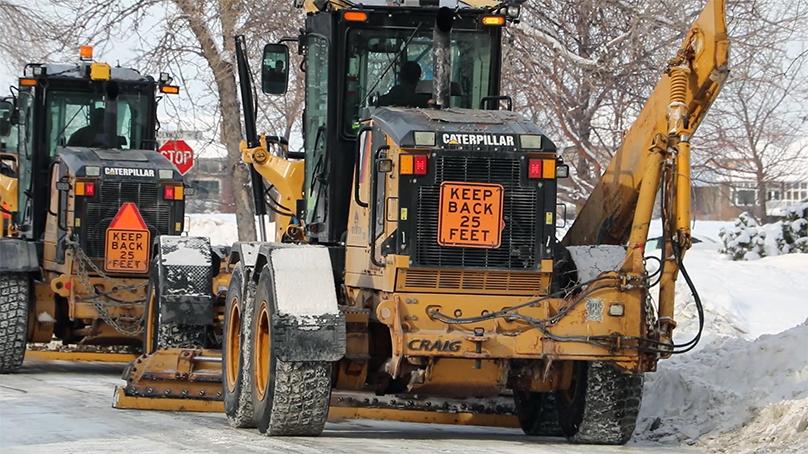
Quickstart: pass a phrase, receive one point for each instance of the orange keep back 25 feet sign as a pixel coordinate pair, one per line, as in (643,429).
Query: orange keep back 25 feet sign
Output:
(470,215)
(127,242)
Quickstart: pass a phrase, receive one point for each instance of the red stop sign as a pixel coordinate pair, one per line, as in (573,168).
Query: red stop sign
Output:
(180,154)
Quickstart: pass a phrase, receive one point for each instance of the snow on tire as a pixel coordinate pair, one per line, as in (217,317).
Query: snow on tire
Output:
(15,292)
(236,351)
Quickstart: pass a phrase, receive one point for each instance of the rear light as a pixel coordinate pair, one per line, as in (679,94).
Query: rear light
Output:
(534,168)
(405,164)
(85,188)
(355,16)
(420,166)
(497,21)
(413,164)
(549,169)
(173,192)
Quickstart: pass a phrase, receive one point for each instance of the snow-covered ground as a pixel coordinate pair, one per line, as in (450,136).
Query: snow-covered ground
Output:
(745,388)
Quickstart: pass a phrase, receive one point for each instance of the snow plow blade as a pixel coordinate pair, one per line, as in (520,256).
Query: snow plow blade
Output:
(191,380)
(493,412)
(79,356)
(173,379)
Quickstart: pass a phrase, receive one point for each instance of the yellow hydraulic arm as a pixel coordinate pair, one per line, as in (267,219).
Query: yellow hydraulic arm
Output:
(656,152)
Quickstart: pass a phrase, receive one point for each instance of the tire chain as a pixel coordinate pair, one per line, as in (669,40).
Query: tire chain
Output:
(128,326)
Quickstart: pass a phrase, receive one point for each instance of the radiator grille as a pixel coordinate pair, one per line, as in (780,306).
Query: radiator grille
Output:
(503,281)
(518,247)
(100,211)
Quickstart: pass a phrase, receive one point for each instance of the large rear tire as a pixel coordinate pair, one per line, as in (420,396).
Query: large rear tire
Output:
(15,296)
(538,413)
(289,397)
(236,358)
(601,405)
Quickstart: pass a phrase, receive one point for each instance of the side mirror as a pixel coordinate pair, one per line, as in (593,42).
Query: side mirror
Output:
(6,114)
(275,69)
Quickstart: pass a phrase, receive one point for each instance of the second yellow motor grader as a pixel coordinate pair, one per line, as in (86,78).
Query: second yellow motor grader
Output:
(83,192)
(415,273)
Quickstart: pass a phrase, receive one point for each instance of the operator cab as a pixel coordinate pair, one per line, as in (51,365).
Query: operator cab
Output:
(359,60)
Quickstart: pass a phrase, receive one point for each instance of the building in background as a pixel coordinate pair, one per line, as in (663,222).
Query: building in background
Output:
(724,197)
(212,192)
(716,196)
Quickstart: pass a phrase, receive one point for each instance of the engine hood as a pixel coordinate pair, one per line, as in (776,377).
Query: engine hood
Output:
(140,164)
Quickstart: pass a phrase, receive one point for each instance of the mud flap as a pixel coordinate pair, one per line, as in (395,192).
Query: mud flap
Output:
(185,272)
(307,325)
(246,253)
(17,256)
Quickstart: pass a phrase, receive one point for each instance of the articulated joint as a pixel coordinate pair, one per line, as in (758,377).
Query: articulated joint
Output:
(257,155)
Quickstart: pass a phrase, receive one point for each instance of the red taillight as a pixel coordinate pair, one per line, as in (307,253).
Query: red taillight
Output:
(534,169)
(420,166)
(168,192)
(89,189)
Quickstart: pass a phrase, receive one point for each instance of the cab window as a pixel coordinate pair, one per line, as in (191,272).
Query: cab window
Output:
(387,66)
(315,121)
(78,119)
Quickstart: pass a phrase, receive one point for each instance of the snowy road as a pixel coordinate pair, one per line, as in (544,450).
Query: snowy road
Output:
(65,407)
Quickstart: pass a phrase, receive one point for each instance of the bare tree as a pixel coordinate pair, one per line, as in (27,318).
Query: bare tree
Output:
(25,33)
(591,65)
(195,41)
(755,135)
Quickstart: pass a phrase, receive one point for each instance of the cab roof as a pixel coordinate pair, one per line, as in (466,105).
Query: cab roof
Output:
(79,71)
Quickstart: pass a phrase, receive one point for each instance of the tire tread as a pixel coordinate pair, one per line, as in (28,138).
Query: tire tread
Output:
(612,404)
(15,291)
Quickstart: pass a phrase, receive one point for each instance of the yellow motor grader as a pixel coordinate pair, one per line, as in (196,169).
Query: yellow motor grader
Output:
(415,273)
(83,192)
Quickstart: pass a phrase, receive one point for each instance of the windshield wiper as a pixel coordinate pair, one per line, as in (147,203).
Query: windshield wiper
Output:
(64,128)
(392,62)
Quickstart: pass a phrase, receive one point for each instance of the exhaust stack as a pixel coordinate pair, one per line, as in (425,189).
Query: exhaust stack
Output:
(441,58)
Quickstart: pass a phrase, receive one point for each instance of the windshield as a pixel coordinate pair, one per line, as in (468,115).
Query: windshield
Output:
(78,119)
(383,65)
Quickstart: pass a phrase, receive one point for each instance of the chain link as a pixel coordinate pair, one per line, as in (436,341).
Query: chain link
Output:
(126,325)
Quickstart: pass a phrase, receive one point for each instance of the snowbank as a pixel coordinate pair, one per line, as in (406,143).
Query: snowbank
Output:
(221,228)
(745,388)
(752,394)
(742,299)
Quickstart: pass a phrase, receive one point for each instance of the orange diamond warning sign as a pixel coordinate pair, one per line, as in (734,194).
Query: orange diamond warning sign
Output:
(127,242)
